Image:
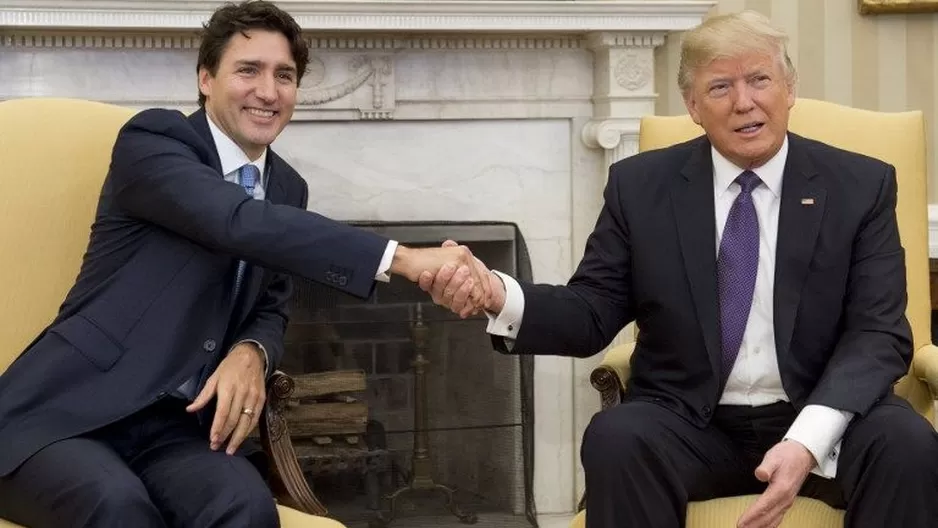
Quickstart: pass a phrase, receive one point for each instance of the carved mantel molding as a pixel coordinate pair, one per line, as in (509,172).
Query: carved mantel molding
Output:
(577,16)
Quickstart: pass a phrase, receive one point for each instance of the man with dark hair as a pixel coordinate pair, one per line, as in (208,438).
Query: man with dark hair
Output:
(130,408)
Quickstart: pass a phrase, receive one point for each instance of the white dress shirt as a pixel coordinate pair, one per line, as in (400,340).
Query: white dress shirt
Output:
(232,159)
(755,379)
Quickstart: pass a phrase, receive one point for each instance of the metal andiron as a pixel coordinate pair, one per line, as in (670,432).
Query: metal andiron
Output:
(421,464)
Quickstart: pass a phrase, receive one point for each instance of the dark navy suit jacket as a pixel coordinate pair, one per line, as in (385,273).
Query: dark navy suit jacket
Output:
(153,301)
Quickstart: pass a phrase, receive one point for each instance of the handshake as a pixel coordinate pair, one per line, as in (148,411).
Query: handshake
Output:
(453,277)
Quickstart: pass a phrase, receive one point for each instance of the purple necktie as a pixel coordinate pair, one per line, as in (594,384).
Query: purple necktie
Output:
(737,264)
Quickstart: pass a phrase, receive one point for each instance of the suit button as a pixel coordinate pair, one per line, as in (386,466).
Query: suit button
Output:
(209,345)
(706,411)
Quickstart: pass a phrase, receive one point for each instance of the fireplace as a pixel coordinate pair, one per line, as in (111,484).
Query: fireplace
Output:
(478,403)
(457,110)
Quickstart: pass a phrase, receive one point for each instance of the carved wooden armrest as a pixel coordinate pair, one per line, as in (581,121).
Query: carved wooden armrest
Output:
(287,480)
(610,377)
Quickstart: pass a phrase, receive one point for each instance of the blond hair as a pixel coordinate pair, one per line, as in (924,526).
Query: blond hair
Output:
(732,35)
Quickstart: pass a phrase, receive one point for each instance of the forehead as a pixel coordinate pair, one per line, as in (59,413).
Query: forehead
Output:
(739,65)
(258,45)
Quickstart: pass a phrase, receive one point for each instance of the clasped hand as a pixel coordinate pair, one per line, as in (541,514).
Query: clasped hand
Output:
(464,287)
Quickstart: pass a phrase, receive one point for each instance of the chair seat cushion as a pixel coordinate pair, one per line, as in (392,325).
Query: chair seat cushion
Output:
(720,513)
(289,518)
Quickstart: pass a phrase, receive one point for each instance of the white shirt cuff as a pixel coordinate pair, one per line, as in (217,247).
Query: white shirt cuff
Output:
(385,264)
(507,323)
(820,429)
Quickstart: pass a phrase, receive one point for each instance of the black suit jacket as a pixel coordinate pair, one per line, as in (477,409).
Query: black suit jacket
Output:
(153,301)
(841,334)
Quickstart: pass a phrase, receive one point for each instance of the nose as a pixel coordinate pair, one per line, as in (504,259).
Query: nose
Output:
(266,88)
(744,101)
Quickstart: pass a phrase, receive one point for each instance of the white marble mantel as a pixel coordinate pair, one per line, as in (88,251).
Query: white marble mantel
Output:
(411,110)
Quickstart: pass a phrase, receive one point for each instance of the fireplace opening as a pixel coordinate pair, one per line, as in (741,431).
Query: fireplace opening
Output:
(425,424)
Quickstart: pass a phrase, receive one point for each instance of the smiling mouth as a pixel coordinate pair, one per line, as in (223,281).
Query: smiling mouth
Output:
(258,112)
(750,128)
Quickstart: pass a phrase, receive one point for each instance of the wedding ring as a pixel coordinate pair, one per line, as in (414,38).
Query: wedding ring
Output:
(247,411)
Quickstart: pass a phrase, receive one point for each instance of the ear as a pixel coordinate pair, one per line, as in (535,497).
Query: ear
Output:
(792,95)
(690,102)
(205,81)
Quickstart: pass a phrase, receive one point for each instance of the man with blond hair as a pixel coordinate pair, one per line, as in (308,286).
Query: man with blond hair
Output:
(765,273)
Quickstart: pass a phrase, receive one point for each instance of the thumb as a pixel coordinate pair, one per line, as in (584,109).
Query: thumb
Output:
(766,469)
(450,243)
(205,396)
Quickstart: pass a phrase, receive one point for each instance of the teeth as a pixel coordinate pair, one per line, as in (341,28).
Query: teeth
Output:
(260,113)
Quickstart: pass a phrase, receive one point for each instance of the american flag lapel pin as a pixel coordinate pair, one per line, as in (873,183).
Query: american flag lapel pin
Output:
(807,201)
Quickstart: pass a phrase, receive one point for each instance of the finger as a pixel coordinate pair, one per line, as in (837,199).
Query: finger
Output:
(222,410)
(769,507)
(246,423)
(461,304)
(449,243)
(459,278)
(425,281)
(443,276)
(238,398)
(765,471)
(483,278)
(205,395)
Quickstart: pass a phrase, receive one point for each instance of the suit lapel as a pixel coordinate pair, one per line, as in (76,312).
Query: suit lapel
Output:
(199,122)
(799,221)
(692,196)
(276,192)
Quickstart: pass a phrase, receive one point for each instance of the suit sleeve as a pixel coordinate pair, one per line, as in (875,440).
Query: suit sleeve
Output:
(582,317)
(157,176)
(875,346)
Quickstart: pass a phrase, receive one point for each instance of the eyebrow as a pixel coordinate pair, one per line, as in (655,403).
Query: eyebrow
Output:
(258,64)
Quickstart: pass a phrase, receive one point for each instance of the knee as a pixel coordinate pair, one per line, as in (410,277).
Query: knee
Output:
(906,441)
(616,437)
(117,499)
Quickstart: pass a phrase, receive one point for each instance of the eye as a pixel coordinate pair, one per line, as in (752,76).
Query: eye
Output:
(247,70)
(718,89)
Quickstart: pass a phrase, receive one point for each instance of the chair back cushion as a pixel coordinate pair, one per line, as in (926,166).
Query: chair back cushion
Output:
(54,155)
(896,138)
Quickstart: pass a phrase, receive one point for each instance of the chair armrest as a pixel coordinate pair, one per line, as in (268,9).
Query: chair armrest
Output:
(925,367)
(610,377)
(287,480)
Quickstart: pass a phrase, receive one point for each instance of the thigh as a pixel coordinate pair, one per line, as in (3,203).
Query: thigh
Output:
(657,442)
(76,482)
(195,486)
(891,451)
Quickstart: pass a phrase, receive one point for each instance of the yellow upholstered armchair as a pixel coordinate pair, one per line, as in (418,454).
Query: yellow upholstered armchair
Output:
(55,154)
(896,138)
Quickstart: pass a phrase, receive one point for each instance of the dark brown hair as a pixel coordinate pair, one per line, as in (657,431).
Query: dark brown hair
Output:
(239,18)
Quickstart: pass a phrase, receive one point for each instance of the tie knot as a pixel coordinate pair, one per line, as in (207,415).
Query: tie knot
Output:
(249,174)
(748,180)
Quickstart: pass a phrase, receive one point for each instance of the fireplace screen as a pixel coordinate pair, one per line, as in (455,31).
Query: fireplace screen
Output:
(419,421)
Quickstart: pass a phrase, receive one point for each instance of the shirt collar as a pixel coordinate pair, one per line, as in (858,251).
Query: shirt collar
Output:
(230,154)
(725,172)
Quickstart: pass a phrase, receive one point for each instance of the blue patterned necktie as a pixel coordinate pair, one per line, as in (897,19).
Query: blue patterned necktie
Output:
(248,174)
(737,264)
